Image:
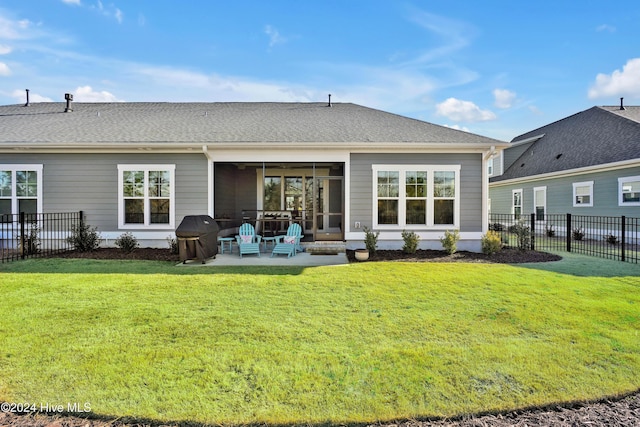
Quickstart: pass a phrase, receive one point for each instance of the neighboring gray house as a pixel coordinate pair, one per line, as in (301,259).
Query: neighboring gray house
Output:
(585,164)
(335,168)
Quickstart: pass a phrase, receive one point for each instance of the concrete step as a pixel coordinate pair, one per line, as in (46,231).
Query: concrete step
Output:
(324,247)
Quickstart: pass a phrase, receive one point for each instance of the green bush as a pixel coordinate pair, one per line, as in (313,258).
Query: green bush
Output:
(577,233)
(84,238)
(450,240)
(411,241)
(612,239)
(32,241)
(173,244)
(491,243)
(523,234)
(127,242)
(371,240)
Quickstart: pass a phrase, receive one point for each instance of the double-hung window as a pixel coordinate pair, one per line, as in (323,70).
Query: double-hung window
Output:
(629,191)
(416,196)
(516,206)
(582,194)
(146,196)
(20,189)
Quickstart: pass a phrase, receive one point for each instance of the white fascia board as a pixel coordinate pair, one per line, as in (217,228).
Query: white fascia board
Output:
(526,141)
(292,155)
(570,172)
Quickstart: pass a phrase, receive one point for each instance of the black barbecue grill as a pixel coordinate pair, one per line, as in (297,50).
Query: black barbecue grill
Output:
(197,237)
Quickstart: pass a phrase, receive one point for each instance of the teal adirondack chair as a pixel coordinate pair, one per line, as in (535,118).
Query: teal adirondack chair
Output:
(289,244)
(248,240)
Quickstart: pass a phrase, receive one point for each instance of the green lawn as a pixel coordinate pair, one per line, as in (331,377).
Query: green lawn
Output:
(355,343)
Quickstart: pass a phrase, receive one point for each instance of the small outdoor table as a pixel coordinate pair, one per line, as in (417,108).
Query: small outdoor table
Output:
(222,241)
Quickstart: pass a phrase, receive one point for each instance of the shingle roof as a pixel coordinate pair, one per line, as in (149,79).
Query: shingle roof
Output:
(93,123)
(599,135)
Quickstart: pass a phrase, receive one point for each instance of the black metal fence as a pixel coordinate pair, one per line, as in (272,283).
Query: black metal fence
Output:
(615,238)
(35,235)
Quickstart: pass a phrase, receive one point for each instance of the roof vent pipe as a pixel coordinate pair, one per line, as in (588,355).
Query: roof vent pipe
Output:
(69,98)
(622,104)
(329,105)
(27,104)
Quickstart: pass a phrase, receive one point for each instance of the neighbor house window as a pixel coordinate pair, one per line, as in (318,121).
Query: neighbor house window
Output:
(540,201)
(583,194)
(516,207)
(416,196)
(629,191)
(146,196)
(20,189)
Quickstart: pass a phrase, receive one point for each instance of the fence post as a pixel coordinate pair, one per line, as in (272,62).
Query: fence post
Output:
(23,252)
(623,239)
(533,231)
(569,232)
(81,219)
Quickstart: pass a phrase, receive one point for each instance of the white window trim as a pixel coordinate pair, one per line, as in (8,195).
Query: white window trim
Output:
(513,210)
(535,203)
(13,168)
(172,205)
(622,181)
(402,169)
(577,185)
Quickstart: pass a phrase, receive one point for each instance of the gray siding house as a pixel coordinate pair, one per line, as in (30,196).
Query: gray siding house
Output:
(334,168)
(586,164)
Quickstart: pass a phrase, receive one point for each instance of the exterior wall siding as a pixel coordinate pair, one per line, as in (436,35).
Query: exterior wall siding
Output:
(89,182)
(560,194)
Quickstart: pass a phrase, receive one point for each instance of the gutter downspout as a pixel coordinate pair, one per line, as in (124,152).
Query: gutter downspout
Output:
(210,206)
(485,188)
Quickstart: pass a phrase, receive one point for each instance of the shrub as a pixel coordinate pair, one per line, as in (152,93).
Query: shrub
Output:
(127,242)
(491,243)
(411,241)
(371,240)
(577,233)
(496,226)
(523,234)
(32,241)
(450,240)
(612,239)
(84,238)
(550,231)
(173,244)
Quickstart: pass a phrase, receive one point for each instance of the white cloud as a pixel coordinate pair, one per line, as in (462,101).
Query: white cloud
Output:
(4,70)
(87,94)
(274,36)
(618,83)
(535,110)
(463,111)
(458,127)
(109,11)
(74,2)
(503,98)
(13,30)
(605,27)
(21,96)
(5,49)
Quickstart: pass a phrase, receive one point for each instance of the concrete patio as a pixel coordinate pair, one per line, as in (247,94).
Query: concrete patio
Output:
(303,259)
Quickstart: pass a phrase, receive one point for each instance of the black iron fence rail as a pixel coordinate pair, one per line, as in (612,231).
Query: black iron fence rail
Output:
(608,237)
(35,235)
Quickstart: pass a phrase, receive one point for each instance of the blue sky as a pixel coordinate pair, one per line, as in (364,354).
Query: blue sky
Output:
(496,68)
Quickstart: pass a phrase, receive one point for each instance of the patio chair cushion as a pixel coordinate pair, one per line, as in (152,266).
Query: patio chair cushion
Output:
(290,239)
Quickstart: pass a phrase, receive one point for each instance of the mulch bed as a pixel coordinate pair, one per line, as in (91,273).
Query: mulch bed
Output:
(624,412)
(610,412)
(505,256)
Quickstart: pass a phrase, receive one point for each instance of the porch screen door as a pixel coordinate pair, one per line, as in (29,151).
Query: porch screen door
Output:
(329,208)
